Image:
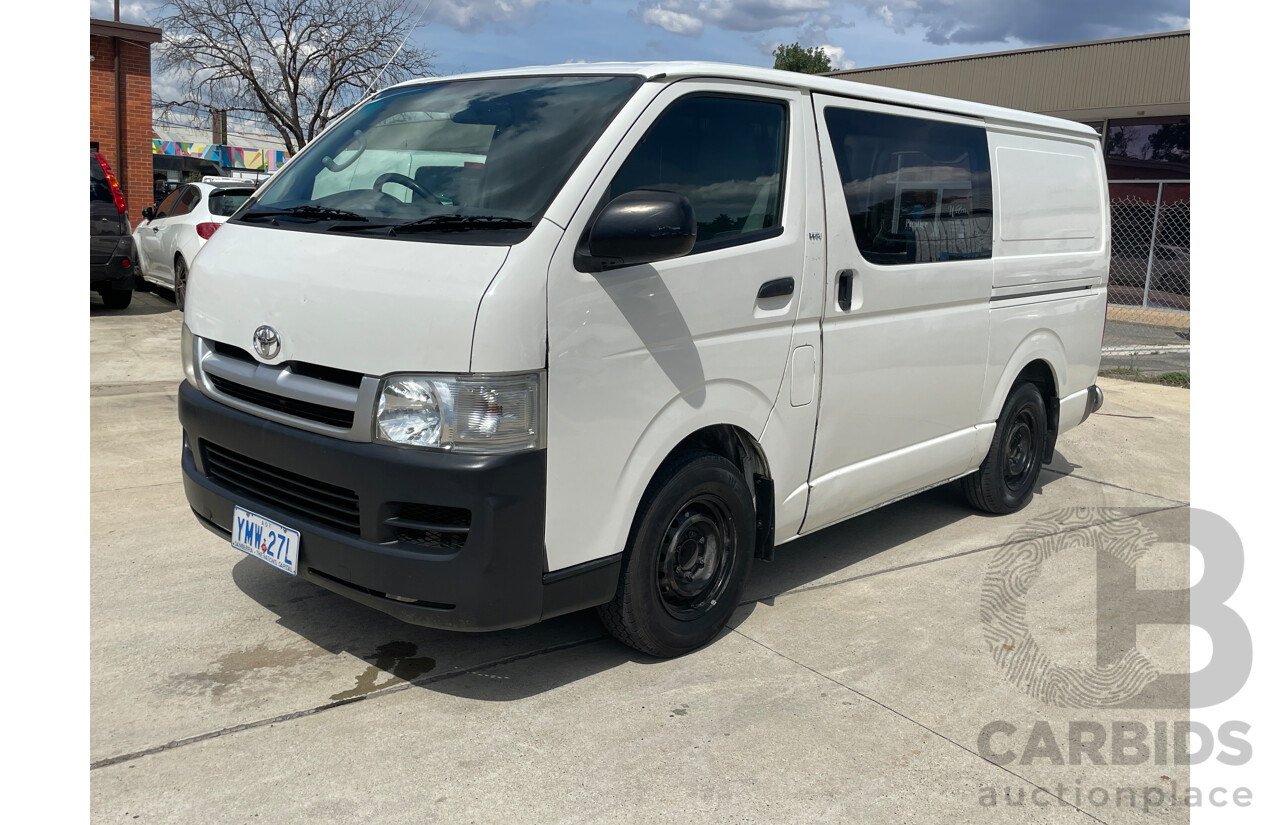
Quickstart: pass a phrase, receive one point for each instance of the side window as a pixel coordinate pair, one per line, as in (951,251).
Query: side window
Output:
(186,201)
(917,190)
(166,205)
(726,155)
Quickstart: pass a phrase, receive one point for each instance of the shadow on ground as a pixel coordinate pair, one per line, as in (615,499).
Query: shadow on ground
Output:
(573,647)
(143,303)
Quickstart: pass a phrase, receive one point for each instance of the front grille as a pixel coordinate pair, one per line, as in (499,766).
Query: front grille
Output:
(430,525)
(317,501)
(311,411)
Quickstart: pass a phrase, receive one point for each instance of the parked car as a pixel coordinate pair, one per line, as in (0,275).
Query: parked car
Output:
(111,248)
(175,230)
(500,347)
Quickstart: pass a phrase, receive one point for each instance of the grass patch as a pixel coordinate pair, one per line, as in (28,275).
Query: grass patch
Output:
(1168,379)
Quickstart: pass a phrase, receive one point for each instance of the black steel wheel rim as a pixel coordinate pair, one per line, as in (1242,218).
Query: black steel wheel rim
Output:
(696,557)
(1018,453)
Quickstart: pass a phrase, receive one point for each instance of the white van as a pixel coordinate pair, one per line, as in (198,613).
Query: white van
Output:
(502,346)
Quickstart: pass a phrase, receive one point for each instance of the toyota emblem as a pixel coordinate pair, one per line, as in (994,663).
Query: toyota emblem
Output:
(266,342)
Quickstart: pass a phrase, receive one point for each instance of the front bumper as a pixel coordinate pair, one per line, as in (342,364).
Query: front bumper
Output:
(497,579)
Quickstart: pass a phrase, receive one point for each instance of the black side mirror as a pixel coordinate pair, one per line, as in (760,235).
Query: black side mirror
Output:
(639,227)
(148,213)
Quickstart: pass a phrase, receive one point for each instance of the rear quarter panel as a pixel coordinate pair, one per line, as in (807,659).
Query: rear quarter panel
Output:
(1051,250)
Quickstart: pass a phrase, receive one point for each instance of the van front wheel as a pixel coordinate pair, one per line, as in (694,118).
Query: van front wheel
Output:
(687,559)
(1007,476)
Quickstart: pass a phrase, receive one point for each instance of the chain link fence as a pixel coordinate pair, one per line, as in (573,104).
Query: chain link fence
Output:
(1149,295)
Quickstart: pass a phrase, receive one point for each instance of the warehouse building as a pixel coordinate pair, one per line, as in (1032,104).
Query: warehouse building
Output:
(1136,92)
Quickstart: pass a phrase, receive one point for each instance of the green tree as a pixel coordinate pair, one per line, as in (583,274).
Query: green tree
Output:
(796,58)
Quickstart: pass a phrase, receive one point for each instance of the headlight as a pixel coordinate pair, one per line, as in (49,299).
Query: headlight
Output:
(468,413)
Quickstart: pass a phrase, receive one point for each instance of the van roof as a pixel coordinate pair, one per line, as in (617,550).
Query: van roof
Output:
(677,70)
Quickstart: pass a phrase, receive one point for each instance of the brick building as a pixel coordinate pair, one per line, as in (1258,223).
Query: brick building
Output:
(120,105)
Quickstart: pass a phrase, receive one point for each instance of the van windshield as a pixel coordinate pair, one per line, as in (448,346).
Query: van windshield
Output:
(486,156)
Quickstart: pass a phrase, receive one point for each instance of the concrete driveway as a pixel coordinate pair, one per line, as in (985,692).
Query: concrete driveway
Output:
(855,683)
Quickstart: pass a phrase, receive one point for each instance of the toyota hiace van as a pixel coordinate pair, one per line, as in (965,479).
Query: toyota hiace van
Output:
(498,347)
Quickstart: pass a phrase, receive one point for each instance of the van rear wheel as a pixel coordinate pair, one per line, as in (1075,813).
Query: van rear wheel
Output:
(1007,476)
(687,559)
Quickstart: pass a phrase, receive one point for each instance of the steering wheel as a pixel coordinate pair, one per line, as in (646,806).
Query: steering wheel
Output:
(409,183)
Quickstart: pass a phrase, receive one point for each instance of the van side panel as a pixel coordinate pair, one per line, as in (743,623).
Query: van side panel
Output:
(1051,251)
(905,350)
(639,357)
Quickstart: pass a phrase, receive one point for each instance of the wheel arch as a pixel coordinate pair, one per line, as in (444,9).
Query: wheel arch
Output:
(1040,359)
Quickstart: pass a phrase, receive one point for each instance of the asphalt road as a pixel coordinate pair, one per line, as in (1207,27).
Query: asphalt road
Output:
(854,684)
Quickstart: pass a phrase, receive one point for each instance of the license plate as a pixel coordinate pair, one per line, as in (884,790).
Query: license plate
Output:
(265,539)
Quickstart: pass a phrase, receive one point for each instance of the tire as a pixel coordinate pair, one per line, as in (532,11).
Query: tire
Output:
(687,558)
(1007,476)
(180,282)
(117,298)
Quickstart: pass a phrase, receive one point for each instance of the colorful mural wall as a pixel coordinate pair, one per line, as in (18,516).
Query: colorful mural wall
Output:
(267,160)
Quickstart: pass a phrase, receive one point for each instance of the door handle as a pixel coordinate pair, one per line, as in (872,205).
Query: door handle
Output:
(776,288)
(844,289)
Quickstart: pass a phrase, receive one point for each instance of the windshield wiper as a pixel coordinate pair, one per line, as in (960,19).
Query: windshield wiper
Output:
(451,223)
(312,211)
(438,223)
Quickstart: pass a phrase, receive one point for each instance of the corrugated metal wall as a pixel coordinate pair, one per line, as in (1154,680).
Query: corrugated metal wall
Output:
(1150,70)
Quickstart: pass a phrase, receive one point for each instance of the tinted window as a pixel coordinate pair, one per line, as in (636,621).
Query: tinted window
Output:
(227,201)
(725,155)
(162,211)
(99,189)
(917,190)
(188,197)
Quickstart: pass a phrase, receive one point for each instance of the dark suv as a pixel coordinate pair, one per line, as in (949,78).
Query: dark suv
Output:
(111,256)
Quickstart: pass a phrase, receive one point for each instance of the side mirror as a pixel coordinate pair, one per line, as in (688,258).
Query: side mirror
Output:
(148,213)
(639,227)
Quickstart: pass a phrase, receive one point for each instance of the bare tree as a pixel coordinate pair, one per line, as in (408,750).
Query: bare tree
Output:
(296,63)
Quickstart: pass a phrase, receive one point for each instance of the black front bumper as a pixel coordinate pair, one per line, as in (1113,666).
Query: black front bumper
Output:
(496,580)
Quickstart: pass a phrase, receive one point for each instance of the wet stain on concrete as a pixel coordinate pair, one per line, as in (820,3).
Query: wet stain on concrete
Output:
(395,658)
(232,667)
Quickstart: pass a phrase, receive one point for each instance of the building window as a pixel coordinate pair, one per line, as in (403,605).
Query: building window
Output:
(1139,145)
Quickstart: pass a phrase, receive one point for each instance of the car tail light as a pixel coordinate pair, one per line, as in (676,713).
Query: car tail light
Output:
(206,230)
(116,192)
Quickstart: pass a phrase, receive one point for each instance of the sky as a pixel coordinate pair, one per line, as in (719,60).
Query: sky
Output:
(497,34)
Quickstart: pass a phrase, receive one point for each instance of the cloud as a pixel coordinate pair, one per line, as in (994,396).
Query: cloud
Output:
(837,57)
(685,25)
(131,11)
(1028,21)
(689,17)
(473,15)
(938,21)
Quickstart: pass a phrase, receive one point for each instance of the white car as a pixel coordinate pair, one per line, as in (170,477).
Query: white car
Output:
(175,230)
